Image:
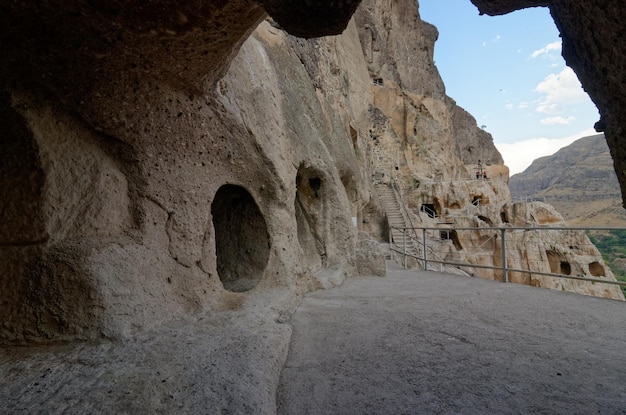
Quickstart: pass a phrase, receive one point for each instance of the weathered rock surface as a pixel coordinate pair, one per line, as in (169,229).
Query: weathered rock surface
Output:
(154,179)
(578,180)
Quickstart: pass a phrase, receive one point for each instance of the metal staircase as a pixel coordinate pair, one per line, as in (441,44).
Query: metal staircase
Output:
(403,237)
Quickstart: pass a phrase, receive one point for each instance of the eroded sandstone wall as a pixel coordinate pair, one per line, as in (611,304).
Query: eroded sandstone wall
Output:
(149,174)
(137,189)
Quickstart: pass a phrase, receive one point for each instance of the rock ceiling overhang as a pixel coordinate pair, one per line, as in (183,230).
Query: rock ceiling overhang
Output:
(79,49)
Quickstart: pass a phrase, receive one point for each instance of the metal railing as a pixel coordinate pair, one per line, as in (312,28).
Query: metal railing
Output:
(499,233)
(408,249)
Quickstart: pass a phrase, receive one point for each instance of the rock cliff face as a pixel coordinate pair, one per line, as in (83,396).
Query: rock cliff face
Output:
(578,180)
(146,180)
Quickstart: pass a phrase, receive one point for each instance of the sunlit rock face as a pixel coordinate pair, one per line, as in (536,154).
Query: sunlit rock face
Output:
(120,152)
(594,46)
(134,135)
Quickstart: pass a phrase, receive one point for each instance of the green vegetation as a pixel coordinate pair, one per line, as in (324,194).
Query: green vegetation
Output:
(612,246)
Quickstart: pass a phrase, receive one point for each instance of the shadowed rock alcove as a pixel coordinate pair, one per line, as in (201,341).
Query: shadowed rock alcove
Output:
(309,206)
(242,242)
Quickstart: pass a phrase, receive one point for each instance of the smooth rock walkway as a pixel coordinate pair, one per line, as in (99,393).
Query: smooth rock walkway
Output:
(429,343)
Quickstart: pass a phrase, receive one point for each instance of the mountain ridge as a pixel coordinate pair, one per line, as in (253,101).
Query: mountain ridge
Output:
(578,180)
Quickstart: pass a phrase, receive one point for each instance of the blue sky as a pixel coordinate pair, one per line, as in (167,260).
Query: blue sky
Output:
(507,71)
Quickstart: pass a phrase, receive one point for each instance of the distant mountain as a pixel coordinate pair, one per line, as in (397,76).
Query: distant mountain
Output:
(578,180)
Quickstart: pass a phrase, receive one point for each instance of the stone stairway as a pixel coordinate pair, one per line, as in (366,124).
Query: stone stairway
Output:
(396,217)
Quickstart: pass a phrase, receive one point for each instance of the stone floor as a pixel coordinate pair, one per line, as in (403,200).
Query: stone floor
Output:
(410,343)
(429,343)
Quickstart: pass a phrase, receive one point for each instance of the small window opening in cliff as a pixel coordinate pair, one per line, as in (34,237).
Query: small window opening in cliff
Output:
(450,234)
(378,81)
(558,263)
(429,209)
(596,269)
(504,217)
(242,242)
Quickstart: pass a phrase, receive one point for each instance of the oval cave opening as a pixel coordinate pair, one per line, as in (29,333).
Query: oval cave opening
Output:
(242,243)
(596,269)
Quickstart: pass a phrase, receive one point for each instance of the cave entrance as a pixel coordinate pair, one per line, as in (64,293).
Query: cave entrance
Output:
(429,208)
(242,243)
(596,269)
(558,263)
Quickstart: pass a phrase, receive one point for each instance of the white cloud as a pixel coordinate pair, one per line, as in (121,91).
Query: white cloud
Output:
(559,89)
(523,105)
(558,120)
(519,155)
(549,109)
(508,106)
(547,50)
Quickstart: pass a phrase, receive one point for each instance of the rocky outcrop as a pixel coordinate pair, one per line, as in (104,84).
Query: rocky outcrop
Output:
(598,56)
(578,180)
(447,170)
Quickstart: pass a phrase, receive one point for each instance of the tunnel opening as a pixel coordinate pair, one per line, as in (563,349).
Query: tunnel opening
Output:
(242,242)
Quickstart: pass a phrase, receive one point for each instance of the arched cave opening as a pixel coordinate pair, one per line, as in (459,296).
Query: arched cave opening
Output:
(242,243)
(596,269)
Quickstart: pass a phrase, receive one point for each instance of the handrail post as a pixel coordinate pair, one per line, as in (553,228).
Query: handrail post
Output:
(424,249)
(404,245)
(505,276)
(391,251)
